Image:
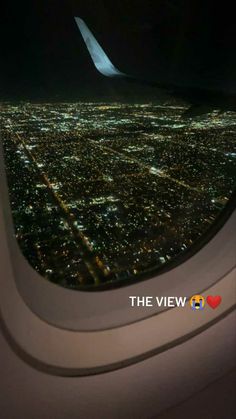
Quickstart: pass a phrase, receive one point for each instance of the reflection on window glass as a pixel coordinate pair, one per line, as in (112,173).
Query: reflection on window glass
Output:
(102,192)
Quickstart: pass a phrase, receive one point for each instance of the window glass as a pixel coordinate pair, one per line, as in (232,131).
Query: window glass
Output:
(110,181)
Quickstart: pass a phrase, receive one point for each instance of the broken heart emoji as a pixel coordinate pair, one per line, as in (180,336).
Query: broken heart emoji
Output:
(214,301)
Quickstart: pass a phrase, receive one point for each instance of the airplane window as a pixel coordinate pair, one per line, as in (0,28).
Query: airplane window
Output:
(105,191)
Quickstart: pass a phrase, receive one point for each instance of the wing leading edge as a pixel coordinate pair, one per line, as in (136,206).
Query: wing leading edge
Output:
(201,100)
(99,57)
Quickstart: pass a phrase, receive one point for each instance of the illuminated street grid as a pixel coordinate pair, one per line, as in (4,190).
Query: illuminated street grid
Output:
(104,192)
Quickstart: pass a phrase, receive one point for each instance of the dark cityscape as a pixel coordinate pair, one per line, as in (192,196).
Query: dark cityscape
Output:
(104,192)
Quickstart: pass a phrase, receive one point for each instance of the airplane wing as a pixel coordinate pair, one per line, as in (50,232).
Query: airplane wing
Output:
(206,103)
(99,57)
(103,64)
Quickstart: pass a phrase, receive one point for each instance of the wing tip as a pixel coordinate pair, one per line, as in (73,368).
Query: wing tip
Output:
(78,19)
(98,55)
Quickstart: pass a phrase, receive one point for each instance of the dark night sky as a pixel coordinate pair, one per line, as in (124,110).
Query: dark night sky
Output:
(185,42)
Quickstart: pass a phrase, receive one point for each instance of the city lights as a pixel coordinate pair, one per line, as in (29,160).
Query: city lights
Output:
(104,192)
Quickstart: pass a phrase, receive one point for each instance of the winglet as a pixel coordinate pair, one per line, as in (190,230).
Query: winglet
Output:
(99,57)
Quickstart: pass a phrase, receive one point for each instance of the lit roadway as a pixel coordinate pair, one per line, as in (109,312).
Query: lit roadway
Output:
(158,172)
(93,263)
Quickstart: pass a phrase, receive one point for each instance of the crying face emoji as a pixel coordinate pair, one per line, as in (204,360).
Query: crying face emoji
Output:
(197,302)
